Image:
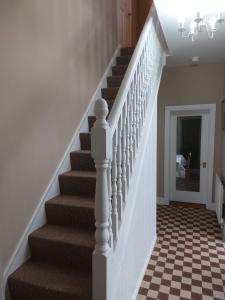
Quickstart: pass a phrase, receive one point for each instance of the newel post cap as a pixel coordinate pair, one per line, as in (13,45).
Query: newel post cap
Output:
(101,111)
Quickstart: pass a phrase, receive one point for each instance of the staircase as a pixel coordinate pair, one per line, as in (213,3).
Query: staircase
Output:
(60,267)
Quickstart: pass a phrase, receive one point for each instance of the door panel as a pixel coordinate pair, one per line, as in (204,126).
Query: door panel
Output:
(189,157)
(126,23)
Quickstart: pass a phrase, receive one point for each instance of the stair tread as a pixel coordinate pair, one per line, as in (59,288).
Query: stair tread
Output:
(125,56)
(65,234)
(119,70)
(85,134)
(88,152)
(127,48)
(120,67)
(123,59)
(57,278)
(72,201)
(113,89)
(126,51)
(115,80)
(84,174)
(116,76)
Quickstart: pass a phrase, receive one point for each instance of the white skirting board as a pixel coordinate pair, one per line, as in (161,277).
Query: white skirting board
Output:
(162,201)
(21,253)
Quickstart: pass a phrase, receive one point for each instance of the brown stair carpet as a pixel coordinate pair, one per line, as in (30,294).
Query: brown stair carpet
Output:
(61,251)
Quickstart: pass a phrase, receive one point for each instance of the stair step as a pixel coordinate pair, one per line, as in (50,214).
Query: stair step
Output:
(119,70)
(85,141)
(126,51)
(40,281)
(123,60)
(71,211)
(82,161)
(91,121)
(78,183)
(114,81)
(63,244)
(110,93)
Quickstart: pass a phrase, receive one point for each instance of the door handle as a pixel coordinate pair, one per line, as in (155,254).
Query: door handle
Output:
(203,164)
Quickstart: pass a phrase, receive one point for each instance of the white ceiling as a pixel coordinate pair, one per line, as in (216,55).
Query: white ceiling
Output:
(182,50)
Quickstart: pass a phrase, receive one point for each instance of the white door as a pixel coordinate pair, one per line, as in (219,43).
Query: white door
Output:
(189,135)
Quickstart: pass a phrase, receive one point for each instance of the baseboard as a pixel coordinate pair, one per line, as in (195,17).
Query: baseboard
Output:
(38,219)
(142,273)
(211,206)
(162,201)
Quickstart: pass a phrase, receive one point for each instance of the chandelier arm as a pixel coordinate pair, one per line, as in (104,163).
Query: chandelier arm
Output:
(209,31)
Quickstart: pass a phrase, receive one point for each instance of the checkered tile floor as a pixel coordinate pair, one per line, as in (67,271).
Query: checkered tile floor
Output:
(188,261)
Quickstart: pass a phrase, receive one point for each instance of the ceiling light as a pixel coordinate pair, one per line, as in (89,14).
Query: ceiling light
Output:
(200,23)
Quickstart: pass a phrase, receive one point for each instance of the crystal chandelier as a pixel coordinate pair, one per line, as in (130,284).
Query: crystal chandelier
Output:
(200,24)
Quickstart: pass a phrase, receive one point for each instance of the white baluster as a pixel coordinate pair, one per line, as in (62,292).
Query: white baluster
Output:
(137,105)
(135,115)
(110,203)
(145,80)
(119,172)
(114,189)
(124,149)
(128,163)
(131,126)
(143,87)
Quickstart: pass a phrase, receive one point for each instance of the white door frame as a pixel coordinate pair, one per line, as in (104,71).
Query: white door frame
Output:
(169,110)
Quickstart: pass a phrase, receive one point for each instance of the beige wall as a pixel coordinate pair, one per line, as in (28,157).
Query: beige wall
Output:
(52,56)
(190,85)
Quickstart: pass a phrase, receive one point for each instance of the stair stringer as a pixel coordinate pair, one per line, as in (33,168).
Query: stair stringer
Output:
(38,219)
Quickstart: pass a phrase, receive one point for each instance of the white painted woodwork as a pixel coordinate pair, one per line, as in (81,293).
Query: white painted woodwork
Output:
(124,150)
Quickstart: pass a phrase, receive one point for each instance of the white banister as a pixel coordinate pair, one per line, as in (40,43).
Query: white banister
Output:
(115,144)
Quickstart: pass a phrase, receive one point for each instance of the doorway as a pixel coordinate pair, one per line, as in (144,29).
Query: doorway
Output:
(189,153)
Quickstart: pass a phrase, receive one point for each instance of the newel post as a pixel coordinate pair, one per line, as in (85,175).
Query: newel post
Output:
(101,150)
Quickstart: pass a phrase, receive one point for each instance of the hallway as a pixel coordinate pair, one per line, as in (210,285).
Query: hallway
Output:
(188,261)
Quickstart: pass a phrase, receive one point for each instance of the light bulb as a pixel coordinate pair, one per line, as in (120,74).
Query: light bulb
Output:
(212,23)
(220,18)
(192,28)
